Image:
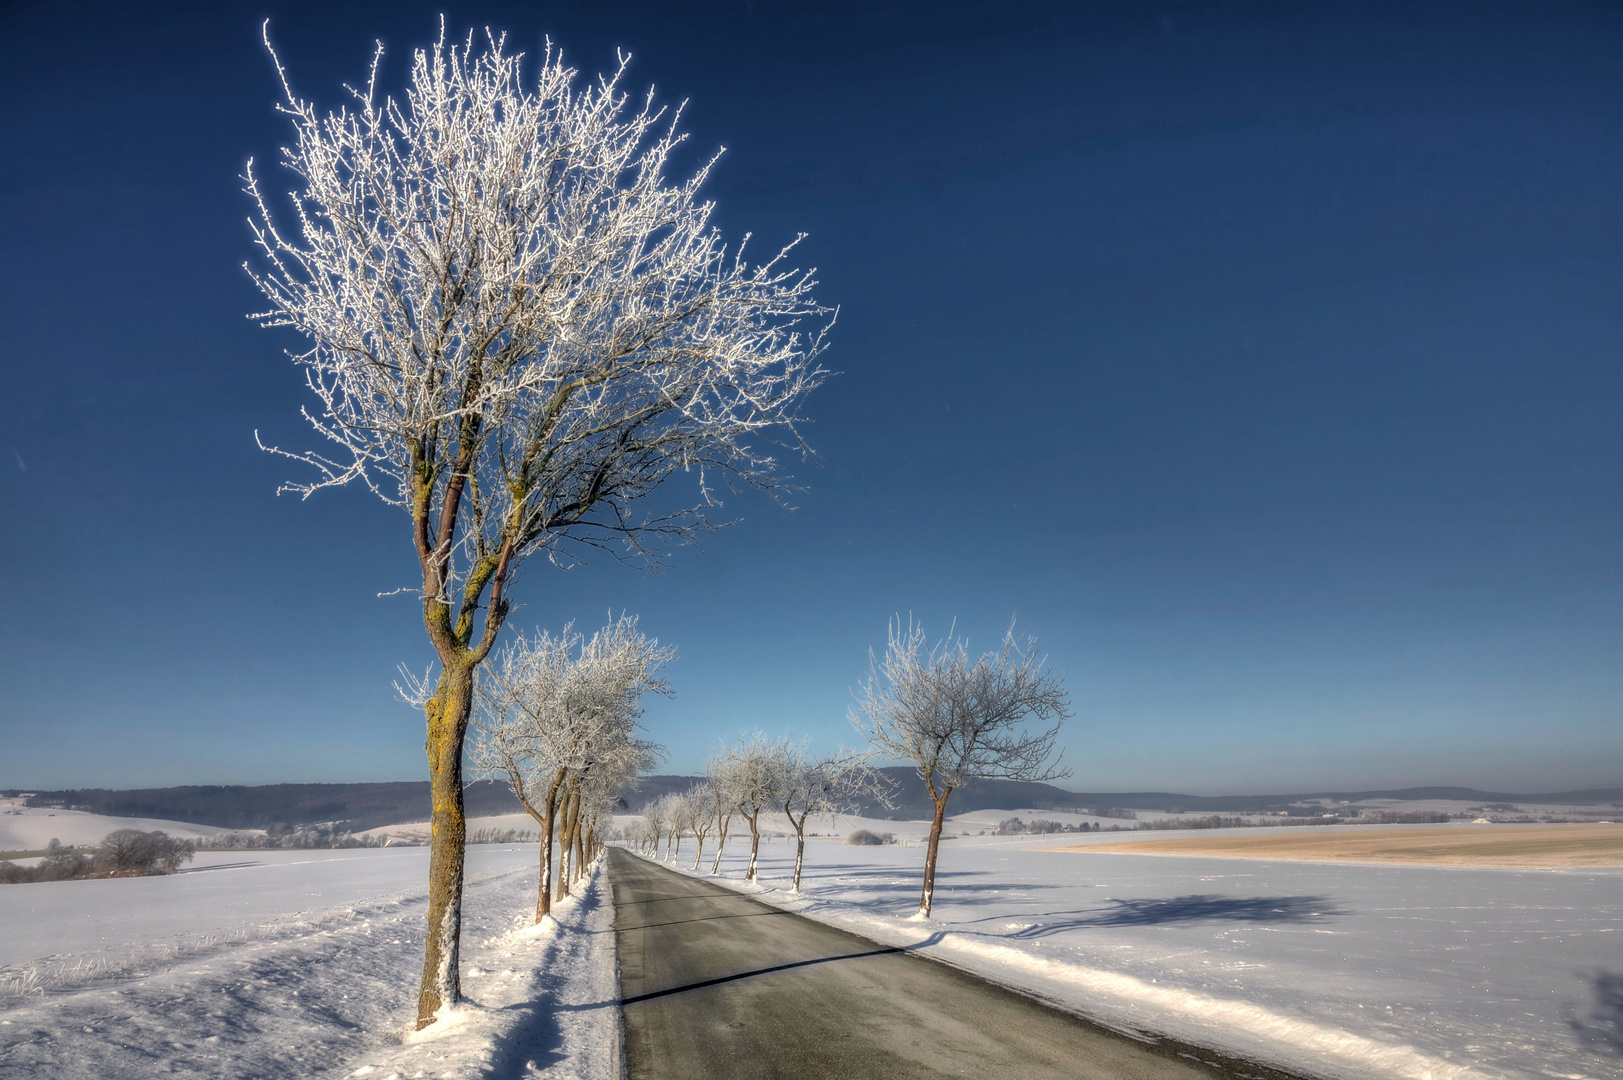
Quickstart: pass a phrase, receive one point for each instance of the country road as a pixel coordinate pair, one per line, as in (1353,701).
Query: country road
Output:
(717,984)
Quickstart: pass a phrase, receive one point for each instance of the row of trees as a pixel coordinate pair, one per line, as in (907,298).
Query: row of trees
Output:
(516,329)
(753,776)
(556,718)
(956,718)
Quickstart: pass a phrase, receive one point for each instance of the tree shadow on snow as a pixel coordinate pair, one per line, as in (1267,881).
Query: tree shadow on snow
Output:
(1199,908)
(534,1039)
(1602,1033)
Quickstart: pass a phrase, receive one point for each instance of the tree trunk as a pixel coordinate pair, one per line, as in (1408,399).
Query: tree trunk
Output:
(698,856)
(447,713)
(755,845)
(580,843)
(721,843)
(543,895)
(929,859)
(565,847)
(800,854)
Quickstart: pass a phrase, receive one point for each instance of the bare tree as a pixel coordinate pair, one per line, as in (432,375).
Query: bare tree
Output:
(809,786)
(750,775)
(516,330)
(958,719)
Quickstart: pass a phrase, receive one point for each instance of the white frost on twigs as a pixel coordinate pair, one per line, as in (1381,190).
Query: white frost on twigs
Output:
(512,312)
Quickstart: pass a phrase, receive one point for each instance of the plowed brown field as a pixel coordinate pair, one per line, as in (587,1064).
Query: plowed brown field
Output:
(1476,845)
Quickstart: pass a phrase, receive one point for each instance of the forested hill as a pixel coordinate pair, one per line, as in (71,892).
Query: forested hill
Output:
(368,806)
(355,806)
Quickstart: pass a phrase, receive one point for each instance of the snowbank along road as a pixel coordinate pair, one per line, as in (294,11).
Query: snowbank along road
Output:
(718,984)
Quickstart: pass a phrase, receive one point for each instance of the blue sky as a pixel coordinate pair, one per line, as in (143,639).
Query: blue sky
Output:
(1262,360)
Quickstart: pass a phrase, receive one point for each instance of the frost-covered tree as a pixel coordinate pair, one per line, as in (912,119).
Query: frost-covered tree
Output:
(516,328)
(811,785)
(958,719)
(699,811)
(557,720)
(751,774)
(719,802)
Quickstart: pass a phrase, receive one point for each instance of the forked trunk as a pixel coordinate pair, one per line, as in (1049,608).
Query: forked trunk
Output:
(929,858)
(447,713)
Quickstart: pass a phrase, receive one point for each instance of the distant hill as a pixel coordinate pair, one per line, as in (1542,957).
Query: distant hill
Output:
(354,806)
(368,806)
(912,801)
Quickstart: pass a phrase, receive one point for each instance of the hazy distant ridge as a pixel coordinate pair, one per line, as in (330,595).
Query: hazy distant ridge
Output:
(358,806)
(912,802)
(368,806)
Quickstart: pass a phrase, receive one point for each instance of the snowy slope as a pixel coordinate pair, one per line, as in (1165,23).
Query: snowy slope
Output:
(25,828)
(1346,971)
(288,963)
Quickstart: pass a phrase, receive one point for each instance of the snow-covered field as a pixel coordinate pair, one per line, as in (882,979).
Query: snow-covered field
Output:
(25,828)
(1348,971)
(304,963)
(300,963)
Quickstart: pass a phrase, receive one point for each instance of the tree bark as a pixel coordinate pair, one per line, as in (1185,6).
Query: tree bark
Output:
(800,855)
(447,713)
(721,844)
(755,845)
(928,896)
(566,844)
(580,843)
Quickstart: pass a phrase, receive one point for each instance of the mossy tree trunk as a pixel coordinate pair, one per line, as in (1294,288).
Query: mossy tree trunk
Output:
(462,641)
(447,713)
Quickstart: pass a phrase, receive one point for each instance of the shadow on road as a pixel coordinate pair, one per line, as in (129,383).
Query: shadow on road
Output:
(757,971)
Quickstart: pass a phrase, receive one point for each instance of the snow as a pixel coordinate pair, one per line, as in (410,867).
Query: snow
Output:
(418,832)
(302,963)
(1350,971)
(27,828)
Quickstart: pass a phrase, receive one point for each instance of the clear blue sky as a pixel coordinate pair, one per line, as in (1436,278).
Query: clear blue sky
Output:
(1265,360)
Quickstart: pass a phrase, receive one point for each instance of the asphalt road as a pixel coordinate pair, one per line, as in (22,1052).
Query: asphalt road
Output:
(717,984)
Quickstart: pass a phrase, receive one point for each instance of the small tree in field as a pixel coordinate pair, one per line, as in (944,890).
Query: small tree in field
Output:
(809,786)
(516,328)
(958,719)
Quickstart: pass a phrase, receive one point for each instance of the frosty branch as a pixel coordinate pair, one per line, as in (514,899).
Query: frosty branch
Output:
(958,719)
(516,328)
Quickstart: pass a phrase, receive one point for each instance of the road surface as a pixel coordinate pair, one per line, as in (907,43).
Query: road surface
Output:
(717,984)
